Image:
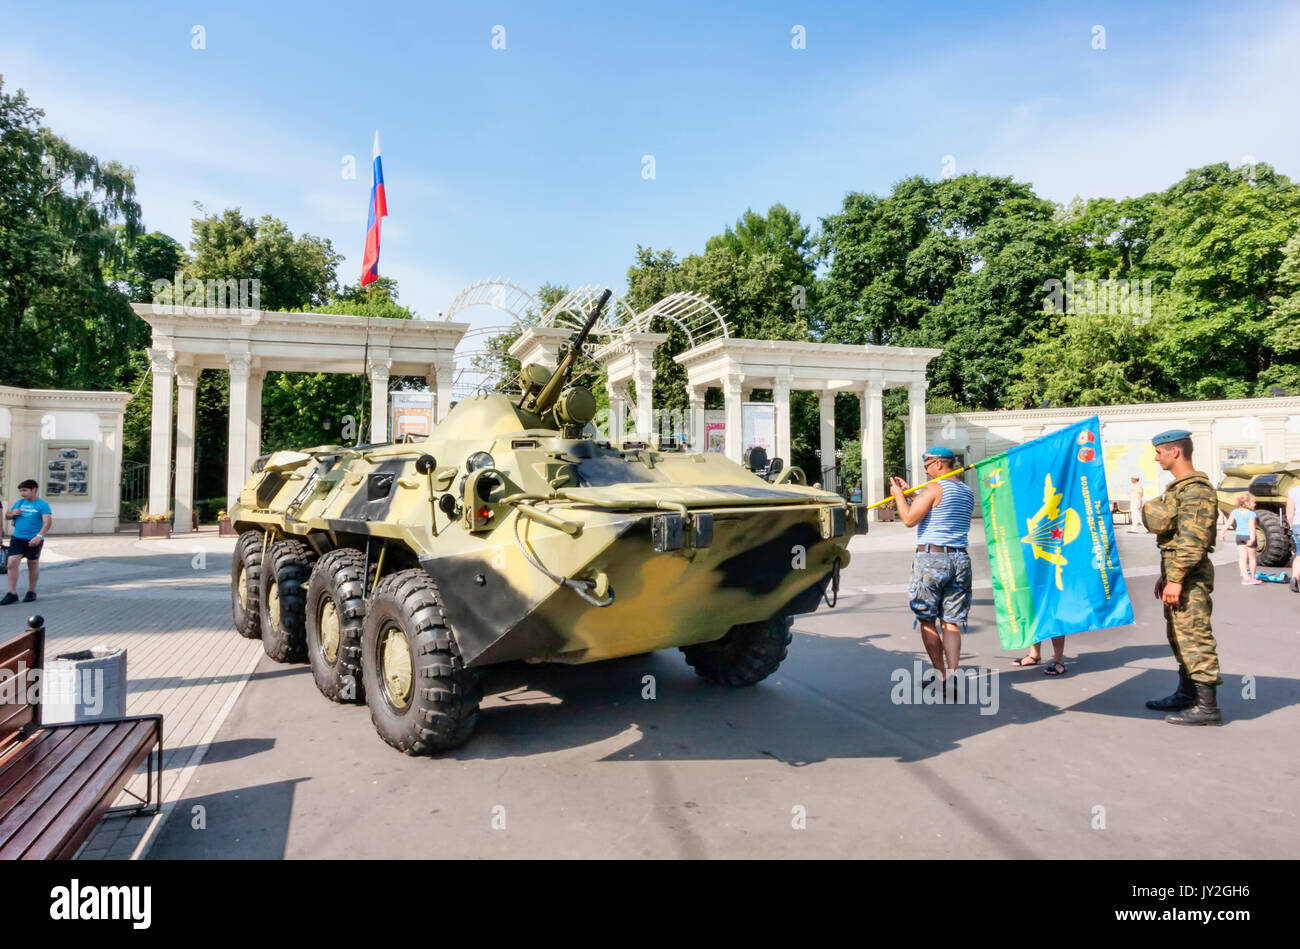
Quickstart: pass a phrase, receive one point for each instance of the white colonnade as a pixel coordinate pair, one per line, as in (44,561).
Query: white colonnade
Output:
(248,344)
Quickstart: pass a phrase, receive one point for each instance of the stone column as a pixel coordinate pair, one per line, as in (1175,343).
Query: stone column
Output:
(695,428)
(872,416)
(444,373)
(617,417)
(781,399)
(731,394)
(1272,439)
(160,431)
(826,414)
(645,403)
(916,430)
(187,379)
(253,435)
(379,368)
(108,474)
(237,461)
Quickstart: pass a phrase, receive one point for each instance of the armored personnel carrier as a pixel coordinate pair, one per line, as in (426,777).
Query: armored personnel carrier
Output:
(1269,484)
(399,571)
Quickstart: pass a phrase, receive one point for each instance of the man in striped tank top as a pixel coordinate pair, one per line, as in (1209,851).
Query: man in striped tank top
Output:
(940,591)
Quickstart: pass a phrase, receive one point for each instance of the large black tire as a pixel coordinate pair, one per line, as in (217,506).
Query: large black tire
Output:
(336,607)
(1273,540)
(246,584)
(283,592)
(432,706)
(746,655)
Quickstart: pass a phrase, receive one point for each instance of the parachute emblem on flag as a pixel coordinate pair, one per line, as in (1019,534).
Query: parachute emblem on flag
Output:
(1051,529)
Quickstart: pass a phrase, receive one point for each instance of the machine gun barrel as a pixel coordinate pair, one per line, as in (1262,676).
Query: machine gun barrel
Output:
(551,391)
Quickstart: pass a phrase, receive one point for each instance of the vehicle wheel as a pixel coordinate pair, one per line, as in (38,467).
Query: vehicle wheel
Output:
(746,655)
(284,581)
(245,584)
(1273,540)
(336,608)
(422,698)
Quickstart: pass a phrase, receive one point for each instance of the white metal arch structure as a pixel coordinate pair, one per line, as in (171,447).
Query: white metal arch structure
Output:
(470,378)
(695,314)
(572,310)
(498,294)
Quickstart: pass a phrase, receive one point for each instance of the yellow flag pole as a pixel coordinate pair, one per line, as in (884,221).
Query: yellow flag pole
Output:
(946,474)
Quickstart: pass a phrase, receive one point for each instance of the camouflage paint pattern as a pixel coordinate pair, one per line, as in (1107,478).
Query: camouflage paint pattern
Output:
(1237,481)
(1184,519)
(773,548)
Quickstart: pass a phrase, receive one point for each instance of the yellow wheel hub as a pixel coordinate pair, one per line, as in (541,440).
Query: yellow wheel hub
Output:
(329,630)
(395,665)
(243,588)
(273,605)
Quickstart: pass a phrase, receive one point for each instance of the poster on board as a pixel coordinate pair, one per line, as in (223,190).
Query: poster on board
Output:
(410,413)
(758,427)
(67,469)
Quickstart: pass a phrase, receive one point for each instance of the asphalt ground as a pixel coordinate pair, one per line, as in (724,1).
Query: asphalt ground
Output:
(830,757)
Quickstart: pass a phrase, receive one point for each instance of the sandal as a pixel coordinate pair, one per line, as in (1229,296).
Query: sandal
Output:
(1051,670)
(1025,661)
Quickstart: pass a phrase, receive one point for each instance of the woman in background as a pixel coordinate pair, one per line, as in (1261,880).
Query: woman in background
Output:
(1243,521)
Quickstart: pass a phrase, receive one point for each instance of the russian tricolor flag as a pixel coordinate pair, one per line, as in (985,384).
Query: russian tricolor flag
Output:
(378,210)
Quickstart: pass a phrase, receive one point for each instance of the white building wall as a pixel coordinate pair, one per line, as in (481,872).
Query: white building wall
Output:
(1225,432)
(30,418)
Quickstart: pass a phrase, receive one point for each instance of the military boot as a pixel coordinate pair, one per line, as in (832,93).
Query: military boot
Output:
(1183,697)
(1204,712)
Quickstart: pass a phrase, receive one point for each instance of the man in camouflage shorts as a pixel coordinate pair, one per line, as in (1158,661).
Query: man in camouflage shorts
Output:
(1184,519)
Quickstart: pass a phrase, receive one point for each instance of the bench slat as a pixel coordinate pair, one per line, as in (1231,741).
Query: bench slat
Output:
(14,649)
(45,747)
(83,813)
(52,791)
(40,755)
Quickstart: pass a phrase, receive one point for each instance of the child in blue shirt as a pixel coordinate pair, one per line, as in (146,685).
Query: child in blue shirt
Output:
(31,517)
(1243,521)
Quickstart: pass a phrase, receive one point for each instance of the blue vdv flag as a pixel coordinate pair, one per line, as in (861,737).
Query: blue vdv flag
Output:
(1050,538)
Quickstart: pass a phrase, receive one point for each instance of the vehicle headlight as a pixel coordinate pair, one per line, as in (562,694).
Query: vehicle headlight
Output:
(480,459)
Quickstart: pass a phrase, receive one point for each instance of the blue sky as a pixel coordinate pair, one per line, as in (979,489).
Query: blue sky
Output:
(526,162)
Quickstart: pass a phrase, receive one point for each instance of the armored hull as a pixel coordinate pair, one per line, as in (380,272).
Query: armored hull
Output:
(511,533)
(1269,485)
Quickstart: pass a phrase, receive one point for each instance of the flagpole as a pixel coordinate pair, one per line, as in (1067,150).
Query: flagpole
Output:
(946,474)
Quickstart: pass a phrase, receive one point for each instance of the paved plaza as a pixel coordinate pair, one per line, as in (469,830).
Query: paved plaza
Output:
(574,762)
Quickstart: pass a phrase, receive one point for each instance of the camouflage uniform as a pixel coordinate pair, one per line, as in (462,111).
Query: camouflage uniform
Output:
(1184,520)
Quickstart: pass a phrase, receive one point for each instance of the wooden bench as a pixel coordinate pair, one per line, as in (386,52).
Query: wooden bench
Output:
(58,781)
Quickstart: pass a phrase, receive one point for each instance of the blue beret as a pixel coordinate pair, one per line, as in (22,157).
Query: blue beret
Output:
(940,452)
(1173,435)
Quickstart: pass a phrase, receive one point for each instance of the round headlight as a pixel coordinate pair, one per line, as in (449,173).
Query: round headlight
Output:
(480,459)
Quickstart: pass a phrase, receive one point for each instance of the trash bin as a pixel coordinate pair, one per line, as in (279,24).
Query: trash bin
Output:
(84,686)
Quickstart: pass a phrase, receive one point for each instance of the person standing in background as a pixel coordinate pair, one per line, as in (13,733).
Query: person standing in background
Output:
(1244,521)
(32,518)
(1135,499)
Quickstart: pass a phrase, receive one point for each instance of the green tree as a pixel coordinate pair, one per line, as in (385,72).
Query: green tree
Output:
(58,210)
(957,264)
(296,273)
(1089,359)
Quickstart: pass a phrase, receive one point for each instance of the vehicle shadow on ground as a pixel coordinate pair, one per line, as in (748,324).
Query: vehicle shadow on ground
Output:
(177,682)
(249,824)
(834,697)
(218,751)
